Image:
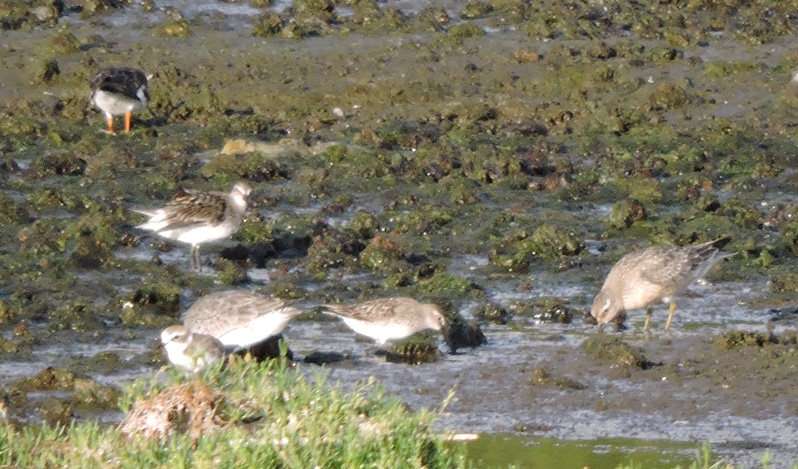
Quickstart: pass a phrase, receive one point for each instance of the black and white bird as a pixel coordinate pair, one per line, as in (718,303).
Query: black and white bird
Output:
(118,91)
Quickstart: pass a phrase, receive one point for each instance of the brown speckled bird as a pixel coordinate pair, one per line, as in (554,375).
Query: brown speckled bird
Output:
(196,217)
(657,273)
(387,319)
(119,91)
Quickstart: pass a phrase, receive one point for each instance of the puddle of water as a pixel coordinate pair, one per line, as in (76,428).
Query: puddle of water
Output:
(503,450)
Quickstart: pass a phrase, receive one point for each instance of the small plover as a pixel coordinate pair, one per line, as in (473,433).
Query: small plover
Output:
(119,91)
(239,318)
(643,277)
(191,351)
(196,217)
(387,319)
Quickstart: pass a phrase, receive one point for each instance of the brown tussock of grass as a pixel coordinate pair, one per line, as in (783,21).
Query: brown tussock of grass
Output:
(191,408)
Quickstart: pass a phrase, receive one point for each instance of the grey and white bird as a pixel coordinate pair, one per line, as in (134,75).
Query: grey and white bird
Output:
(118,91)
(644,277)
(388,319)
(239,318)
(196,217)
(191,351)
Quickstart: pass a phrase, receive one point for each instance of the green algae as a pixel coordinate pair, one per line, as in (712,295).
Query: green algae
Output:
(229,169)
(615,351)
(267,25)
(736,339)
(448,286)
(175,29)
(77,316)
(16,14)
(416,350)
(542,376)
(384,256)
(784,282)
(12,213)
(476,9)
(518,250)
(548,309)
(626,212)
(163,297)
(491,312)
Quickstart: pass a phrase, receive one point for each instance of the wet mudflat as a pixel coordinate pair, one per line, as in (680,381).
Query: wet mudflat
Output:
(497,158)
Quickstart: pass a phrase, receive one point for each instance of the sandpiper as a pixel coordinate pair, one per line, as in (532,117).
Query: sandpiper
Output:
(190,350)
(657,273)
(239,318)
(387,319)
(119,91)
(196,217)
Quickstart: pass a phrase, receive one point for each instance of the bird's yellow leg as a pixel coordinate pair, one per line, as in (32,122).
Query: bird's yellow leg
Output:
(649,311)
(670,315)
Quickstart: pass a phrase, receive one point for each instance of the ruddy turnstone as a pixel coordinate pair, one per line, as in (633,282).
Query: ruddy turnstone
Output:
(196,217)
(119,91)
(190,350)
(238,318)
(387,319)
(657,273)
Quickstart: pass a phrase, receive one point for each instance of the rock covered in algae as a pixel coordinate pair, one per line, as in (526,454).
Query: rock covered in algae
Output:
(417,350)
(626,212)
(492,312)
(462,333)
(616,351)
(542,376)
(737,339)
(383,255)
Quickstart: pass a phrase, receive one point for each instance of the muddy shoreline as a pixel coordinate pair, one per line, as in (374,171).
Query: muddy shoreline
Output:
(489,157)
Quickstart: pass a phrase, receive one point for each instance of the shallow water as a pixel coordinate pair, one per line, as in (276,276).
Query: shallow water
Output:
(502,449)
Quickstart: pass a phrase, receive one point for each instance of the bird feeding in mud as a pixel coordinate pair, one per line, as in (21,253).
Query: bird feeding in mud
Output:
(643,277)
(196,217)
(118,91)
(388,319)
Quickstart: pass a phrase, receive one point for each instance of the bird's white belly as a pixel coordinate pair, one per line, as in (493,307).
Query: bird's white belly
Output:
(177,356)
(641,296)
(259,330)
(201,234)
(379,332)
(115,105)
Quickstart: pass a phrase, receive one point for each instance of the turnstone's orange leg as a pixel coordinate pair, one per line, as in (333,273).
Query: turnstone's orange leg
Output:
(127,120)
(111,125)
